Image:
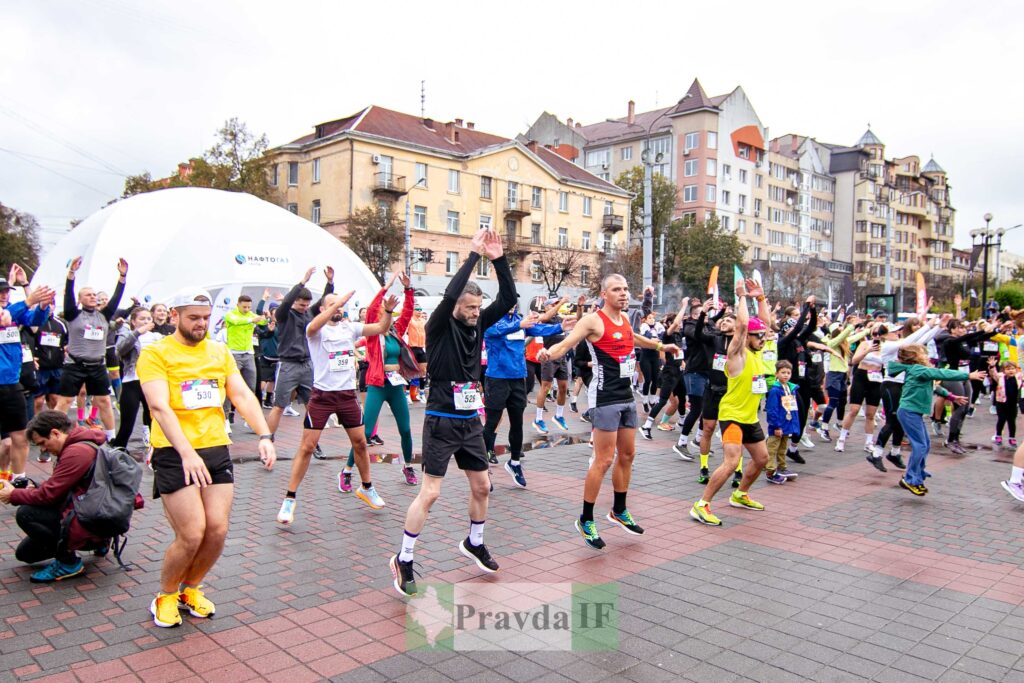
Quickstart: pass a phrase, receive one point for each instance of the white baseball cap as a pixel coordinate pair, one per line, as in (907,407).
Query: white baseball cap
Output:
(190,296)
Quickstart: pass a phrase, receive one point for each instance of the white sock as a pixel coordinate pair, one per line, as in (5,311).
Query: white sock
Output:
(682,440)
(877,452)
(843,433)
(408,544)
(869,440)
(1017,475)
(17,476)
(476,533)
(110,434)
(559,410)
(540,414)
(648,423)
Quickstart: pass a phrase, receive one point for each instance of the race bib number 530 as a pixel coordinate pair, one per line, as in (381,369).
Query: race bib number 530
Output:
(200,393)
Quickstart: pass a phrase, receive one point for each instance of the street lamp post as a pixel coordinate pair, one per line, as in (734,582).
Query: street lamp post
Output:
(408,231)
(984,268)
(999,250)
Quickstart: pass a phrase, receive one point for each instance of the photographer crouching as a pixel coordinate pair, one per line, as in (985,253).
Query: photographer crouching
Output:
(42,509)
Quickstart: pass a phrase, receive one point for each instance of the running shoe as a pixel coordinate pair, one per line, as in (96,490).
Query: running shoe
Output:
(370,497)
(916,490)
(626,521)
(665,427)
(1015,490)
(955,447)
(588,530)
(573,407)
(703,514)
(540,427)
(787,474)
(492,457)
(970,412)
(646,433)
(479,554)
(345,482)
(869,448)
(410,476)
(806,442)
(516,470)
(375,440)
(814,424)
(290,412)
(404,573)
(796,457)
(164,609)
(936,428)
(823,434)
(992,410)
(736,477)
(997,440)
(43,457)
(227,426)
(742,500)
(287,513)
(897,460)
(840,446)
(268,403)
(704,475)
(775,478)
(585,415)
(318,453)
(197,604)
(681,452)
(560,421)
(876,463)
(1013,442)
(57,571)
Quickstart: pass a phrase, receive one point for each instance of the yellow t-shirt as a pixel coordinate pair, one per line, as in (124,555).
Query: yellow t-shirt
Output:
(196,379)
(744,392)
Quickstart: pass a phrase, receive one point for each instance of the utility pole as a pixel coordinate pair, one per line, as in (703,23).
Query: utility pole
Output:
(888,250)
(408,231)
(661,272)
(984,268)
(648,243)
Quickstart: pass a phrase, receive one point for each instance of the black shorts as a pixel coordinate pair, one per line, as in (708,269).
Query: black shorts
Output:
(444,437)
(505,393)
(113,363)
(168,475)
(419,353)
(741,434)
(94,376)
(812,392)
(267,368)
(13,411)
(712,397)
(671,378)
(863,391)
(554,370)
(49,382)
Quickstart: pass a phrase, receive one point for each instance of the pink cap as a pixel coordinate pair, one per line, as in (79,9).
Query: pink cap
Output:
(756,325)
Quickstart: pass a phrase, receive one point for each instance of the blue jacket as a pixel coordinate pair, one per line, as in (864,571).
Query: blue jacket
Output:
(777,414)
(10,353)
(506,358)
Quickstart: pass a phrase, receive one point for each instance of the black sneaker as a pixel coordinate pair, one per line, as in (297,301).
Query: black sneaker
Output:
(896,460)
(376,440)
(736,477)
(318,453)
(626,521)
(572,407)
(646,431)
(492,458)
(877,463)
(588,530)
(704,476)
(405,581)
(479,554)
(585,415)
(231,417)
(796,457)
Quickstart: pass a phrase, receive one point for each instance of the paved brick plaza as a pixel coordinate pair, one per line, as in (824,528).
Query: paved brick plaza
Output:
(843,577)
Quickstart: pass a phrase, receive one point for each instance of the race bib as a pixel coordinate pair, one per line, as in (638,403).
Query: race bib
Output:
(26,353)
(719,362)
(965,366)
(340,361)
(679,355)
(990,347)
(789,402)
(483,356)
(94,333)
(200,393)
(875,376)
(802,369)
(518,335)
(395,379)
(49,339)
(467,396)
(9,335)
(769,356)
(760,385)
(816,357)
(255,340)
(627,365)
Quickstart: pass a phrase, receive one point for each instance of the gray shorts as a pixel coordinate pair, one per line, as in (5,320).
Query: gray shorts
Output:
(614,417)
(554,370)
(292,376)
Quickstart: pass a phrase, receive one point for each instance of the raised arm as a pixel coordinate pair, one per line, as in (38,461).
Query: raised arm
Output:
(71,309)
(324,316)
(439,318)
(115,299)
(737,357)
(491,248)
(328,289)
(384,324)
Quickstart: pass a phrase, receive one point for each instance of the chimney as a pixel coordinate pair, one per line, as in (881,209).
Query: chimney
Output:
(568,122)
(429,123)
(579,125)
(458,122)
(470,125)
(631,115)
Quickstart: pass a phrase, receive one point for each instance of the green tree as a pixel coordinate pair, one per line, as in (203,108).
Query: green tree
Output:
(1011,294)
(137,184)
(1018,273)
(663,201)
(698,247)
(19,240)
(377,238)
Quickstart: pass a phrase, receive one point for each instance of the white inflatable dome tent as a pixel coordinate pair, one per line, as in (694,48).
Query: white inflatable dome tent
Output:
(226,242)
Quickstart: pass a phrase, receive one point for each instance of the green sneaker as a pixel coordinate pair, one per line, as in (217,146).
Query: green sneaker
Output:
(626,521)
(703,514)
(588,530)
(704,476)
(742,500)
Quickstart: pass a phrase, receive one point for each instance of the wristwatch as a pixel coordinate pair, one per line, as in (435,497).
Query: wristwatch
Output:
(267,437)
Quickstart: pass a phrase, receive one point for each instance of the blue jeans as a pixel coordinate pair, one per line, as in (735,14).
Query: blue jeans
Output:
(913,426)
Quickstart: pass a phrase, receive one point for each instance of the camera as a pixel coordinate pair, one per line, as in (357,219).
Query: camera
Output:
(22,483)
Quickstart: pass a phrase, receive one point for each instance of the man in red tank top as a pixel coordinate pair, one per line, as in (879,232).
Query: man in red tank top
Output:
(612,346)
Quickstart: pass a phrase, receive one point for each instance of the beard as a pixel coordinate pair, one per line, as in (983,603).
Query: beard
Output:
(336,318)
(196,335)
(466,320)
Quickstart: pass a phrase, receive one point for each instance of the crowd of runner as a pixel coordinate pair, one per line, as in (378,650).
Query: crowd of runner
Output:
(773,380)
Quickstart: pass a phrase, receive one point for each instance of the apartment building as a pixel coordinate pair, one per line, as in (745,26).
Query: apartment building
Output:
(451,179)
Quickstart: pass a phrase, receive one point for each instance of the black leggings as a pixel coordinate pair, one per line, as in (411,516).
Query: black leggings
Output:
(131,399)
(977,389)
(668,387)
(42,535)
(650,366)
(1006,415)
(515,429)
(696,406)
(891,393)
(532,375)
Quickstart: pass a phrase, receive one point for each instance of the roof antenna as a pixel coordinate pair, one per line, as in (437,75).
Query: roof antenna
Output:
(655,99)
(423,99)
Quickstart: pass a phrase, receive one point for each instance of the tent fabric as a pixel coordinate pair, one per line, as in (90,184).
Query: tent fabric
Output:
(226,242)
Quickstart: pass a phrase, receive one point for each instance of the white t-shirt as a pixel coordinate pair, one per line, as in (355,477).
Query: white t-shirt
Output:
(333,353)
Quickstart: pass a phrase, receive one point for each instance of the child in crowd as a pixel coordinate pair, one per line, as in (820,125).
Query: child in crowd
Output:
(783,420)
(1007,394)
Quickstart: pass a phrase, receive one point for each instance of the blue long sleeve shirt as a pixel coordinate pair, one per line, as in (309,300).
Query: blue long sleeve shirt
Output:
(777,412)
(10,339)
(506,345)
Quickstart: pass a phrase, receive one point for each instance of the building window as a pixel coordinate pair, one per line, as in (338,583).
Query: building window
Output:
(744,152)
(726,197)
(627,153)
(293,173)
(273,174)
(710,192)
(758,229)
(690,218)
(563,237)
(384,206)
(419,265)
(316,170)
(584,276)
(609,207)
(453,181)
(712,168)
(419,217)
(690,167)
(513,192)
(586,206)
(725,222)
(537,196)
(743,176)
(712,140)
(483,267)
(599,157)
(741,226)
(453,222)
(692,141)
(485,222)
(758,180)
(535,272)
(742,202)
(563,201)
(535,233)
(757,253)
(294,208)
(690,193)
(451,262)
(726,171)
(485,187)
(585,244)
(316,212)
(421,174)
(606,243)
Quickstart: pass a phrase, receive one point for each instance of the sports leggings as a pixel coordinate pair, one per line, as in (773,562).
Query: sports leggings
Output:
(650,366)
(1007,415)
(891,393)
(696,406)
(395,397)
(667,389)
(515,429)
(131,399)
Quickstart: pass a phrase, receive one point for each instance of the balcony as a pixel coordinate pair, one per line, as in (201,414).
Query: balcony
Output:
(517,244)
(517,208)
(611,222)
(388,184)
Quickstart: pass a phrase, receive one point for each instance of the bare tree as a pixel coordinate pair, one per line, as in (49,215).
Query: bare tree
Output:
(561,266)
(624,261)
(376,237)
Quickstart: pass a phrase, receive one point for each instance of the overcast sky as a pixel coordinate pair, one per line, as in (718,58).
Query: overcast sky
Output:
(95,89)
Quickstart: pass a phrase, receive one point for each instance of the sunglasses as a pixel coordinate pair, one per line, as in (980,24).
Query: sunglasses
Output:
(758,335)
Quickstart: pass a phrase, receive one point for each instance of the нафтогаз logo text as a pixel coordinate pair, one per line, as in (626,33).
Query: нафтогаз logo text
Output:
(258,260)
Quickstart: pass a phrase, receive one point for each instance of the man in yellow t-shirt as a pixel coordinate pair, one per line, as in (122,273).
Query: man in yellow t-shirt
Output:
(185,378)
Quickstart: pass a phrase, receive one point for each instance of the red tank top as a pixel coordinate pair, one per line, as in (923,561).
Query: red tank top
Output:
(614,362)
